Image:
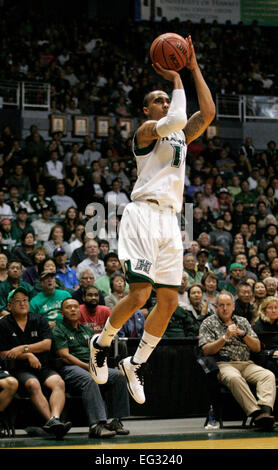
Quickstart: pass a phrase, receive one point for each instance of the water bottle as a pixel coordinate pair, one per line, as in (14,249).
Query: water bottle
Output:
(212,423)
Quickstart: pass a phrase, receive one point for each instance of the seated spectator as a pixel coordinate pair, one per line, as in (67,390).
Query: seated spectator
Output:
(117,289)
(228,221)
(86,278)
(271,284)
(236,273)
(14,270)
(75,184)
(70,223)
(77,237)
(53,171)
(134,326)
(43,225)
(66,274)
(189,265)
(202,261)
(19,179)
(230,340)
(20,224)
(200,225)
(23,252)
(210,285)
(30,353)
(253,262)
(5,209)
(274,267)
(56,240)
(182,291)
(61,200)
(196,310)
(92,314)
(3,267)
(243,304)
(218,265)
(40,200)
(270,252)
(266,328)
(112,265)
(242,259)
(78,255)
(14,200)
(264,271)
(48,264)
(246,197)
(210,200)
(92,260)
(76,374)
(7,240)
(220,238)
(48,302)
(31,273)
(259,291)
(103,248)
(116,199)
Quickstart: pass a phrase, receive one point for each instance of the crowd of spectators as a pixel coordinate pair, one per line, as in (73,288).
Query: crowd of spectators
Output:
(95,66)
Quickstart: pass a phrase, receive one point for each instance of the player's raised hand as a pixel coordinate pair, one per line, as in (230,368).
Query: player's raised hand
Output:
(191,63)
(165,73)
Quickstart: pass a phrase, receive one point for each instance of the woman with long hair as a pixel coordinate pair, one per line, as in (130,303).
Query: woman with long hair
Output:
(31,273)
(189,319)
(23,253)
(56,240)
(210,284)
(69,223)
(266,328)
(259,291)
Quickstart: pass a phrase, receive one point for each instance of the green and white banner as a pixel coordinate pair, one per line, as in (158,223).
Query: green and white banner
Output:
(264,11)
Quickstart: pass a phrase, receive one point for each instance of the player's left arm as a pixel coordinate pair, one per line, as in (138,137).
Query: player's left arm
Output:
(199,122)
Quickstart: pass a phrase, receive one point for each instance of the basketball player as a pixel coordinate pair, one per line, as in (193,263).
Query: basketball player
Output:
(150,244)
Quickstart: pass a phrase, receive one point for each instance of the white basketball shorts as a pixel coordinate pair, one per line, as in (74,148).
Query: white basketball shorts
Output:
(150,245)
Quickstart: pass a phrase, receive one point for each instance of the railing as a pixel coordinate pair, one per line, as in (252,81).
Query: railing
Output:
(25,95)
(246,107)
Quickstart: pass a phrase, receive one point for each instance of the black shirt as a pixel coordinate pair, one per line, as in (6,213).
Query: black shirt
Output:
(36,330)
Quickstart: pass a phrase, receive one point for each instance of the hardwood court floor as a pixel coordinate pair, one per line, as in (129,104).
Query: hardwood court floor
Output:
(154,434)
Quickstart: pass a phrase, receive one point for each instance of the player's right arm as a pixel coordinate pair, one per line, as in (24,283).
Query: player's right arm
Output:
(199,122)
(175,119)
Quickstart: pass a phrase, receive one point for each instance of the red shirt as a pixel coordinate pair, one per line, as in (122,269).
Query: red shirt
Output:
(94,321)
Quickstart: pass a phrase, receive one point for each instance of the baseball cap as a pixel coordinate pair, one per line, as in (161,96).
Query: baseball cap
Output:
(223,190)
(58,251)
(5,220)
(202,251)
(21,209)
(235,265)
(46,273)
(14,291)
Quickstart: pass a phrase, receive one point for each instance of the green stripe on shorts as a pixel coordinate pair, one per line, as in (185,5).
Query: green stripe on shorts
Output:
(131,276)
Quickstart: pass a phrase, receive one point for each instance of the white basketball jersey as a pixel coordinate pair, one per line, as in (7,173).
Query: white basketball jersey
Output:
(161,170)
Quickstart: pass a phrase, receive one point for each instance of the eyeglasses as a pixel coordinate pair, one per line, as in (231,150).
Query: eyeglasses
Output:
(87,278)
(20,301)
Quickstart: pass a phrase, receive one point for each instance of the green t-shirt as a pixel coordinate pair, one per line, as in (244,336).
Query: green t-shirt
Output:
(75,339)
(49,305)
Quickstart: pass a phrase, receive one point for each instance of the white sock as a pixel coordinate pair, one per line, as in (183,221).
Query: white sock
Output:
(145,348)
(106,336)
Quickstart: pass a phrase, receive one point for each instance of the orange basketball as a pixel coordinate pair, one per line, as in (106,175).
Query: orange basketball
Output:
(170,51)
